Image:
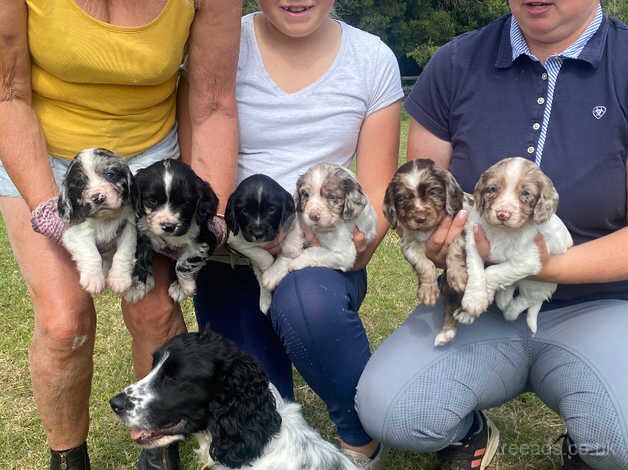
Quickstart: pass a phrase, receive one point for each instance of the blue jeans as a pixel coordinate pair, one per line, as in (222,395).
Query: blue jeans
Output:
(415,396)
(313,322)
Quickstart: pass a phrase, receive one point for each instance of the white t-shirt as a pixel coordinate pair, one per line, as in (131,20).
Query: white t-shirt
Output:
(283,134)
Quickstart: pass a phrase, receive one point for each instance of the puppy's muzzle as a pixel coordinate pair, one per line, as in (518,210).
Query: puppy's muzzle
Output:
(503,216)
(168,227)
(98,198)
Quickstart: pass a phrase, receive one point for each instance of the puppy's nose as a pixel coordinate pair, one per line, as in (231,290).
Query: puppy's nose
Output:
(314,216)
(503,216)
(257,232)
(120,403)
(168,227)
(98,198)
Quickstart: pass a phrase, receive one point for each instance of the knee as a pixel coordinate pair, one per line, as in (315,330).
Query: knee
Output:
(65,324)
(155,314)
(415,417)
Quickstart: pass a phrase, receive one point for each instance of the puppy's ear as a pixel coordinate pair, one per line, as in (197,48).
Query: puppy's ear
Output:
(547,203)
(478,192)
(453,194)
(207,203)
(389,209)
(355,199)
(136,198)
(230,215)
(287,208)
(299,203)
(69,204)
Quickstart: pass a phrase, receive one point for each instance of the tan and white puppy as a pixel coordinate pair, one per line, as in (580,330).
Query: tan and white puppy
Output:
(513,201)
(417,199)
(95,201)
(330,205)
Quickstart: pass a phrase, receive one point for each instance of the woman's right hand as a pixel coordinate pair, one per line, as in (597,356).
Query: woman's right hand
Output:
(448,229)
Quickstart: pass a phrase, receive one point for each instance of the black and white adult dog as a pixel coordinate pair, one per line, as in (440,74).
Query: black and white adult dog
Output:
(203,385)
(259,213)
(173,207)
(95,202)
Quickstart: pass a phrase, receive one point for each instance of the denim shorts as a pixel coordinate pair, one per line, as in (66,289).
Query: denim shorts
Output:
(168,147)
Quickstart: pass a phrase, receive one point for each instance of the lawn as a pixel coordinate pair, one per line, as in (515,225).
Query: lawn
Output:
(527,427)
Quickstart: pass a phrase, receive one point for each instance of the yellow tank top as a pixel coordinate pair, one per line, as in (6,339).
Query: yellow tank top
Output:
(100,85)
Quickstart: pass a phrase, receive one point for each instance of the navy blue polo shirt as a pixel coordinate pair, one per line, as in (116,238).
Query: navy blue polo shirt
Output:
(489,106)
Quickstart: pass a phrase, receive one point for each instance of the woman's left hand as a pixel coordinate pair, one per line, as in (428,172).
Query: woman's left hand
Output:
(364,251)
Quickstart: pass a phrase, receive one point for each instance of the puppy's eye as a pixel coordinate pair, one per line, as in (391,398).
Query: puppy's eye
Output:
(333,199)
(434,192)
(111,174)
(491,189)
(151,202)
(304,194)
(525,193)
(271,210)
(244,212)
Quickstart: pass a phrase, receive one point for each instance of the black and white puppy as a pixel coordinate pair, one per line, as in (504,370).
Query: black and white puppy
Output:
(330,205)
(95,201)
(173,206)
(202,385)
(259,212)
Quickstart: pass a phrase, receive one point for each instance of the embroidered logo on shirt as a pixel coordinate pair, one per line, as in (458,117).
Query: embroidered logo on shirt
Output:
(599,112)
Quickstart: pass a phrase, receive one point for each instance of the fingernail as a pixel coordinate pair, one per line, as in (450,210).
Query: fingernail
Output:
(476,228)
(462,213)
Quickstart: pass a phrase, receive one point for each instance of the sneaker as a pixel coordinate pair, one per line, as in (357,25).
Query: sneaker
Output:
(474,454)
(571,458)
(364,462)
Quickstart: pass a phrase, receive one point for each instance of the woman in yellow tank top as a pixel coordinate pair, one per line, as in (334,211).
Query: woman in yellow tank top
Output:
(76,74)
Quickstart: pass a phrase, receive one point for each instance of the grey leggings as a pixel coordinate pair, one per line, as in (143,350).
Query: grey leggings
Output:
(414,396)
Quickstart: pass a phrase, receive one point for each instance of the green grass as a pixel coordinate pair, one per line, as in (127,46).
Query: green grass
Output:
(391,296)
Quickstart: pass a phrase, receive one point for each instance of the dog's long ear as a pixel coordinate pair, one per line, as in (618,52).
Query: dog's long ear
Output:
(69,204)
(389,209)
(287,209)
(547,203)
(478,192)
(298,200)
(136,197)
(453,194)
(207,203)
(230,215)
(242,402)
(355,199)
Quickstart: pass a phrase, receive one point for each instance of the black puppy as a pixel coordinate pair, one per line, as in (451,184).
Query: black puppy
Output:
(173,207)
(259,213)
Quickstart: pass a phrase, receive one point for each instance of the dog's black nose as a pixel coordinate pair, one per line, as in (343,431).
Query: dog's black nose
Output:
(258,232)
(120,403)
(168,227)
(98,198)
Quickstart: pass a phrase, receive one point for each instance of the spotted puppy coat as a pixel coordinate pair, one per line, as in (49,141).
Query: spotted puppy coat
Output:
(417,199)
(330,205)
(95,202)
(513,201)
(173,207)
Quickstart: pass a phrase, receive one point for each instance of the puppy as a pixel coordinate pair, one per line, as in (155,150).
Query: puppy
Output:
(330,204)
(202,385)
(259,212)
(513,200)
(417,199)
(173,206)
(95,201)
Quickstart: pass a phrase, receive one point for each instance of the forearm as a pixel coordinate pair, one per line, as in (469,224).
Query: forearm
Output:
(23,152)
(601,260)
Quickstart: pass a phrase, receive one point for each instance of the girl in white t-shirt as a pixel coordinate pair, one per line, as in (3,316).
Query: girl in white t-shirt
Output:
(309,89)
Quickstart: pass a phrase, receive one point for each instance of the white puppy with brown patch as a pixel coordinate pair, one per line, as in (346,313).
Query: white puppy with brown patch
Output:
(330,205)
(95,201)
(513,201)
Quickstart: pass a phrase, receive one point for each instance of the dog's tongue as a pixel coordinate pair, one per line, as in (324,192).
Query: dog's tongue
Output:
(136,434)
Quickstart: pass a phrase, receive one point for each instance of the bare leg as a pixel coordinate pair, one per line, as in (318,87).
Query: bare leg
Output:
(154,319)
(63,339)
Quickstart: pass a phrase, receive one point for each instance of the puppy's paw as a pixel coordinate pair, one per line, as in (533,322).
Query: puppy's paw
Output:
(265,299)
(119,281)
(457,279)
(273,276)
(428,293)
(503,298)
(299,263)
(181,289)
(464,317)
(475,302)
(532,319)
(94,283)
(139,289)
(444,337)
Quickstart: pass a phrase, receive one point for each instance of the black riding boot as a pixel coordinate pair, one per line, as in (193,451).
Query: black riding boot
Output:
(160,458)
(71,459)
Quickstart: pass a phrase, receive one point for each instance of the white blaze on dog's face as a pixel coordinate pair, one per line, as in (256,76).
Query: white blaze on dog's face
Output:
(97,184)
(162,217)
(513,192)
(327,193)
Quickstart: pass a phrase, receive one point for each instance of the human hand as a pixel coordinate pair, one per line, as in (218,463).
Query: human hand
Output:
(45,219)
(364,254)
(218,227)
(448,229)
(482,244)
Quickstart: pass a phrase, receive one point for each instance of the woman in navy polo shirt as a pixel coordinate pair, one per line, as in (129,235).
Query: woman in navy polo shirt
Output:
(549,82)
